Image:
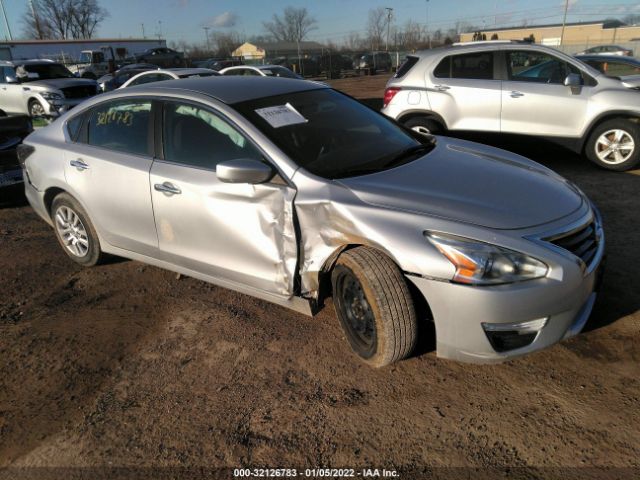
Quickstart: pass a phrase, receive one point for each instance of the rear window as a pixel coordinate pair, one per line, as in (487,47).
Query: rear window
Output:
(477,66)
(407,65)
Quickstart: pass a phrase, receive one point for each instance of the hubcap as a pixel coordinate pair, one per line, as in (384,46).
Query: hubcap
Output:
(72,231)
(614,146)
(357,312)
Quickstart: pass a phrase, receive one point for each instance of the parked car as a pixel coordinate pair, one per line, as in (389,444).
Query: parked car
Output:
(150,76)
(519,88)
(284,189)
(612,65)
(260,71)
(13,129)
(162,57)
(307,67)
(370,63)
(115,80)
(218,64)
(41,88)
(607,50)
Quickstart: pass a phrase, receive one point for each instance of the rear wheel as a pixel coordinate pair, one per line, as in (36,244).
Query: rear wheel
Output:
(74,231)
(374,306)
(424,125)
(615,145)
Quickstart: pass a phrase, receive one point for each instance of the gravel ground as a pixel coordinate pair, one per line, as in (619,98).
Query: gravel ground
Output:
(125,365)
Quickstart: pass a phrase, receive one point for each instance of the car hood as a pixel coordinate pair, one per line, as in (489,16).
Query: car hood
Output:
(60,83)
(631,81)
(471,183)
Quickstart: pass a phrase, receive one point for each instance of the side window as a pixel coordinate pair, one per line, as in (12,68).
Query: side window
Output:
(152,77)
(539,67)
(443,70)
(121,125)
(2,75)
(196,137)
(477,66)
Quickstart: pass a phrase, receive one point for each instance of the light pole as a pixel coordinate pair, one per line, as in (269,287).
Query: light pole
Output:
(389,12)
(206,33)
(6,22)
(564,20)
(426,24)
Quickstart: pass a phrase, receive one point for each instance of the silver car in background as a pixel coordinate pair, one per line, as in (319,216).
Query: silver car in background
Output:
(519,88)
(292,192)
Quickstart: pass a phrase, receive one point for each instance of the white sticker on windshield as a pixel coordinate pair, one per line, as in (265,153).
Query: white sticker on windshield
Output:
(281,115)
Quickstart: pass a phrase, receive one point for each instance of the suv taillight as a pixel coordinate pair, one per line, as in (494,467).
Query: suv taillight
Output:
(389,93)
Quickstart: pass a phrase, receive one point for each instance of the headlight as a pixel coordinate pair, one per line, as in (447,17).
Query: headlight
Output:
(481,263)
(51,96)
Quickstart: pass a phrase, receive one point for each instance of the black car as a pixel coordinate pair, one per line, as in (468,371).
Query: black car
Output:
(13,130)
(370,63)
(162,57)
(115,80)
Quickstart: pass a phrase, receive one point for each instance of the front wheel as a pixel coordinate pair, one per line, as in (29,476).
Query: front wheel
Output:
(36,110)
(374,306)
(74,231)
(615,145)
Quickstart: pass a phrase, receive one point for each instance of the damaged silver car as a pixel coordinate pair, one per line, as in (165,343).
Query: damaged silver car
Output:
(293,192)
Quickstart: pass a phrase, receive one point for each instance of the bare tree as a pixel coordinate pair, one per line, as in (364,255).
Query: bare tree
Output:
(293,26)
(376,26)
(226,43)
(62,19)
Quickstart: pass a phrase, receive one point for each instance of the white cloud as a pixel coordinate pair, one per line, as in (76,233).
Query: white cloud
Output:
(224,20)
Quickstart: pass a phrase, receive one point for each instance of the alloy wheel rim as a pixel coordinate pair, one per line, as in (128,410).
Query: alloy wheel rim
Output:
(614,146)
(357,312)
(72,231)
(37,110)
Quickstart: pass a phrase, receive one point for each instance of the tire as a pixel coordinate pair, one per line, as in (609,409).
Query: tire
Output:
(64,211)
(424,125)
(36,110)
(374,306)
(623,134)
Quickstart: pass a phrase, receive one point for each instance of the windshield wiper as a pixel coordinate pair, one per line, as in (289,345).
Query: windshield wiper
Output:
(406,154)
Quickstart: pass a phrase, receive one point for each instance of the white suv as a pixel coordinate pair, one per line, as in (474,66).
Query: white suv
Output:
(519,88)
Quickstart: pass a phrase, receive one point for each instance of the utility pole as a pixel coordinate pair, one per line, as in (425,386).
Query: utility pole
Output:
(564,20)
(426,24)
(389,13)
(159,30)
(35,20)
(6,22)
(206,34)
(142,25)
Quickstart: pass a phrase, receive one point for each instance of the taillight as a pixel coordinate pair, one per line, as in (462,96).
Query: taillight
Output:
(23,151)
(389,93)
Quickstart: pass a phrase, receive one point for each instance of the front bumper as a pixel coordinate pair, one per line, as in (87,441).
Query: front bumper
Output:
(460,310)
(58,107)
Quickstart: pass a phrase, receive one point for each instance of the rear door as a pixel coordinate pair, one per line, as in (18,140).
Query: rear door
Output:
(11,94)
(463,89)
(108,169)
(239,233)
(535,100)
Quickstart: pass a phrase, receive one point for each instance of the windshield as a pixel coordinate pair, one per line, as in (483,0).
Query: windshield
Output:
(43,71)
(330,134)
(279,72)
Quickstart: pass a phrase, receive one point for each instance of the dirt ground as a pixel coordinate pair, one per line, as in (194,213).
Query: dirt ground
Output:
(126,369)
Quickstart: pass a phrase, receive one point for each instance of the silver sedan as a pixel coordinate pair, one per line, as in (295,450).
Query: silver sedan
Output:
(292,192)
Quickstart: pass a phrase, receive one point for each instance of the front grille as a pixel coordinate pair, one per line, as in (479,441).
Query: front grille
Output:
(81,91)
(582,242)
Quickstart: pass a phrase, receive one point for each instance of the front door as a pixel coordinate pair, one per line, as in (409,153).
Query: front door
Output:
(240,233)
(535,100)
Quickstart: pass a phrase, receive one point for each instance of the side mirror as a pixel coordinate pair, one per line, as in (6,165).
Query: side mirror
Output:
(573,80)
(244,170)
(10,79)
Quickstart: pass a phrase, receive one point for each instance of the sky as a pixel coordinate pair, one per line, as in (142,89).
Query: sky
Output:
(184,19)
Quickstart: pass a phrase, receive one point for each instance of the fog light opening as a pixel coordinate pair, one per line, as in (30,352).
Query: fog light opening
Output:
(510,336)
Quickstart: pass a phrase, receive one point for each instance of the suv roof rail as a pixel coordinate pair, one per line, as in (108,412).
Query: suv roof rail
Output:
(482,42)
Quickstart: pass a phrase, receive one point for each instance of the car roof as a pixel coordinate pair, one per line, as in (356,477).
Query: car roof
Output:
(34,61)
(232,90)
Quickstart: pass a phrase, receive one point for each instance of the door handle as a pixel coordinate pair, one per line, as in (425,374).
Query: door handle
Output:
(441,88)
(167,187)
(516,94)
(79,164)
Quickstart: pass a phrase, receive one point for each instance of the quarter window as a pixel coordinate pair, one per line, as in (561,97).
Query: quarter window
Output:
(121,126)
(198,138)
